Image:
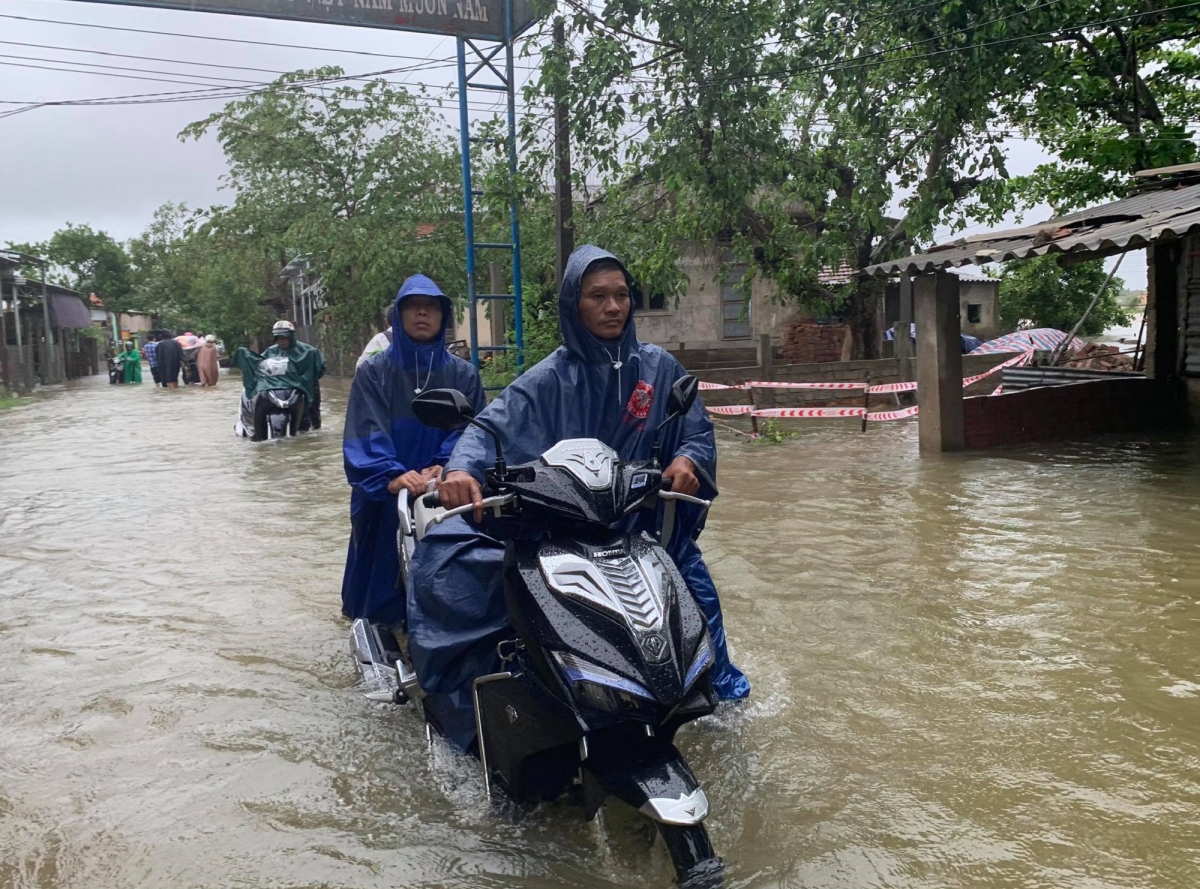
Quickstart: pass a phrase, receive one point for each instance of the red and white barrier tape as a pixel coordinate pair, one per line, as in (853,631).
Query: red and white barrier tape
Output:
(1015,361)
(730,410)
(793,412)
(770,384)
(706,386)
(902,414)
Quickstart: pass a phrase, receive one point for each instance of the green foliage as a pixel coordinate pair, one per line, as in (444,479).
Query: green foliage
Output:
(770,432)
(86,260)
(362,179)
(1041,293)
(1108,100)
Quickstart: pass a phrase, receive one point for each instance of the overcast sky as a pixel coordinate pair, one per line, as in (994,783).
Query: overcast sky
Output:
(111,167)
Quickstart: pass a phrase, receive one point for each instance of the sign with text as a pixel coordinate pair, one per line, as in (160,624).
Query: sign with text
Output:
(478,19)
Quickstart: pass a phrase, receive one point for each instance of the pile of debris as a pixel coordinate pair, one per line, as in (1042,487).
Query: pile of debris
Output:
(1097,356)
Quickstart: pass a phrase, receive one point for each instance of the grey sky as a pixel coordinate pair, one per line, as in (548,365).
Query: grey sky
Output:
(111,167)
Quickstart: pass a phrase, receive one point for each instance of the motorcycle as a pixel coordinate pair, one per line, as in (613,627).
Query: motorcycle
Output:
(609,654)
(116,370)
(276,413)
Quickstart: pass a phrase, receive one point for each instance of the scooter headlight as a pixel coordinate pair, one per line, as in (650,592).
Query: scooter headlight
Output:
(702,661)
(283,402)
(599,688)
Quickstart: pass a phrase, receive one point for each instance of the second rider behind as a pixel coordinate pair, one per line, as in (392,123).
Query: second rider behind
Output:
(387,451)
(602,383)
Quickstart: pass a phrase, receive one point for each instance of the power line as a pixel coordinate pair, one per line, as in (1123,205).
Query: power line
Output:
(357,52)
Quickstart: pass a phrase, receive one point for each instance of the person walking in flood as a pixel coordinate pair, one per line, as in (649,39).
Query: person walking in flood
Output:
(131,359)
(206,361)
(170,357)
(150,350)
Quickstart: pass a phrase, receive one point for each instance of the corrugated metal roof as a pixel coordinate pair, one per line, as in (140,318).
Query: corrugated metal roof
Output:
(1129,223)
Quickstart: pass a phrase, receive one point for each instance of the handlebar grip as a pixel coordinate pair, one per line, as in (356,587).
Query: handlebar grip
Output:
(432,501)
(664,484)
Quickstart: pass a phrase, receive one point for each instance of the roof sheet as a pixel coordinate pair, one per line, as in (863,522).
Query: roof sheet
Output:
(1127,224)
(69,311)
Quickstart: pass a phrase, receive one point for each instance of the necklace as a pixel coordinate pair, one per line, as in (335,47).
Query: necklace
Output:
(421,386)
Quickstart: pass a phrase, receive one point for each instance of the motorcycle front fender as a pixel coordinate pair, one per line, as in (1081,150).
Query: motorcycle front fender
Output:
(661,786)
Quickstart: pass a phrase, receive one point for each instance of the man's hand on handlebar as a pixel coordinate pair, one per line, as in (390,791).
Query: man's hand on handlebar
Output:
(682,473)
(460,488)
(412,481)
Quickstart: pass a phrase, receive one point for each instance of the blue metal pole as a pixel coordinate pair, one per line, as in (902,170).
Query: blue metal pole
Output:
(464,128)
(518,319)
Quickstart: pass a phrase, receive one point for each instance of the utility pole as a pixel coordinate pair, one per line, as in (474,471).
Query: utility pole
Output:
(49,362)
(564,231)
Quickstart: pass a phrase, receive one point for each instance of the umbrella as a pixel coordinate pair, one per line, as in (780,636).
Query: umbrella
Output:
(1041,339)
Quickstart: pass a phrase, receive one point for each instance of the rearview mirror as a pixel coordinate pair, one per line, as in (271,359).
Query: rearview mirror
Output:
(683,395)
(443,408)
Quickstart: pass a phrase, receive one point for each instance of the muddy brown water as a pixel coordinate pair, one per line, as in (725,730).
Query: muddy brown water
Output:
(974,671)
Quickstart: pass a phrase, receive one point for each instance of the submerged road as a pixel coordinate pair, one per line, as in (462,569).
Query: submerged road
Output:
(968,672)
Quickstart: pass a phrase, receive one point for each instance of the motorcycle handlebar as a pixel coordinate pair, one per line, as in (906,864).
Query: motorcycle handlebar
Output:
(488,503)
(686,498)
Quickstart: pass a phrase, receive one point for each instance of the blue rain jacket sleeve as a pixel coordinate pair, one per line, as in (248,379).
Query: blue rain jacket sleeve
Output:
(616,392)
(383,439)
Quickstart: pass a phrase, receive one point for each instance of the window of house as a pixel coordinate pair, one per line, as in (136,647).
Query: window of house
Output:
(648,301)
(974,312)
(735,307)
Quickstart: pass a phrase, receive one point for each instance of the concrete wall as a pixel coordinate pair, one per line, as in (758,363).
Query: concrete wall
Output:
(986,295)
(1065,412)
(695,321)
(874,372)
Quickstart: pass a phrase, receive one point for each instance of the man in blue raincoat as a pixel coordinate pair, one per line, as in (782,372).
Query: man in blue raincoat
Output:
(601,383)
(387,452)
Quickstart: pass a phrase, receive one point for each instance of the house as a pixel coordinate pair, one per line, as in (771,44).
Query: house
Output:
(713,318)
(40,326)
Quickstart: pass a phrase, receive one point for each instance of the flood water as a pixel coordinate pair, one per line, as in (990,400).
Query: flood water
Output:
(968,672)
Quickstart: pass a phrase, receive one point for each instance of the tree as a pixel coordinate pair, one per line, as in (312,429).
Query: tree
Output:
(88,261)
(1112,97)
(1040,292)
(785,131)
(363,179)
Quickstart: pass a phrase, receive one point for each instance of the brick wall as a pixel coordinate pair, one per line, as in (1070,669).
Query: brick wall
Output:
(1077,410)
(807,342)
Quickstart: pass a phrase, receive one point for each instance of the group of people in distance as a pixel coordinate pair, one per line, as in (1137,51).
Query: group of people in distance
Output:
(602,383)
(193,356)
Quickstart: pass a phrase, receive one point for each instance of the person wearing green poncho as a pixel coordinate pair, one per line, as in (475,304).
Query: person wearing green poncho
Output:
(131,358)
(305,365)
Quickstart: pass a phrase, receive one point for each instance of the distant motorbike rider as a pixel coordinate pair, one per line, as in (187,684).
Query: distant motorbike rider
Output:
(305,367)
(603,383)
(387,452)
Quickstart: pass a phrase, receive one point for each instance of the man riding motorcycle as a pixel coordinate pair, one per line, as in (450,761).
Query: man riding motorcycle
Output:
(602,383)
(305,365)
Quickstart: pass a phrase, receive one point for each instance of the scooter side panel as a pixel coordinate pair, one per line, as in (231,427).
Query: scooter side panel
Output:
(531,739)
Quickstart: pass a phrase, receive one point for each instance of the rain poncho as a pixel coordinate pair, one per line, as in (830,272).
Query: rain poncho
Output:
(305,365)
(132,360)
(383,440)
(587,388)
(208,364)
(170,357)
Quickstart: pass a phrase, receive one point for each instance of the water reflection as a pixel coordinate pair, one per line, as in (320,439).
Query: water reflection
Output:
(970,671)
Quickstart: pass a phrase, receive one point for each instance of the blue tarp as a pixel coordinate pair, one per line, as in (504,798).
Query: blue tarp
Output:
(969,343)
(588,388)
(383,440)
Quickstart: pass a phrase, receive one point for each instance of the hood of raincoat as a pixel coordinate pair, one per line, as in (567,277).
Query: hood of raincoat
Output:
(582,344)
(404,350)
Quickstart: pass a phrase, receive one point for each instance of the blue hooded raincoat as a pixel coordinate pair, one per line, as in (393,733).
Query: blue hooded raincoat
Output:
(588,388)
(382,440)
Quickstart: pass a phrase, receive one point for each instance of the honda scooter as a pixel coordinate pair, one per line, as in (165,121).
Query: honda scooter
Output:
(609,653)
